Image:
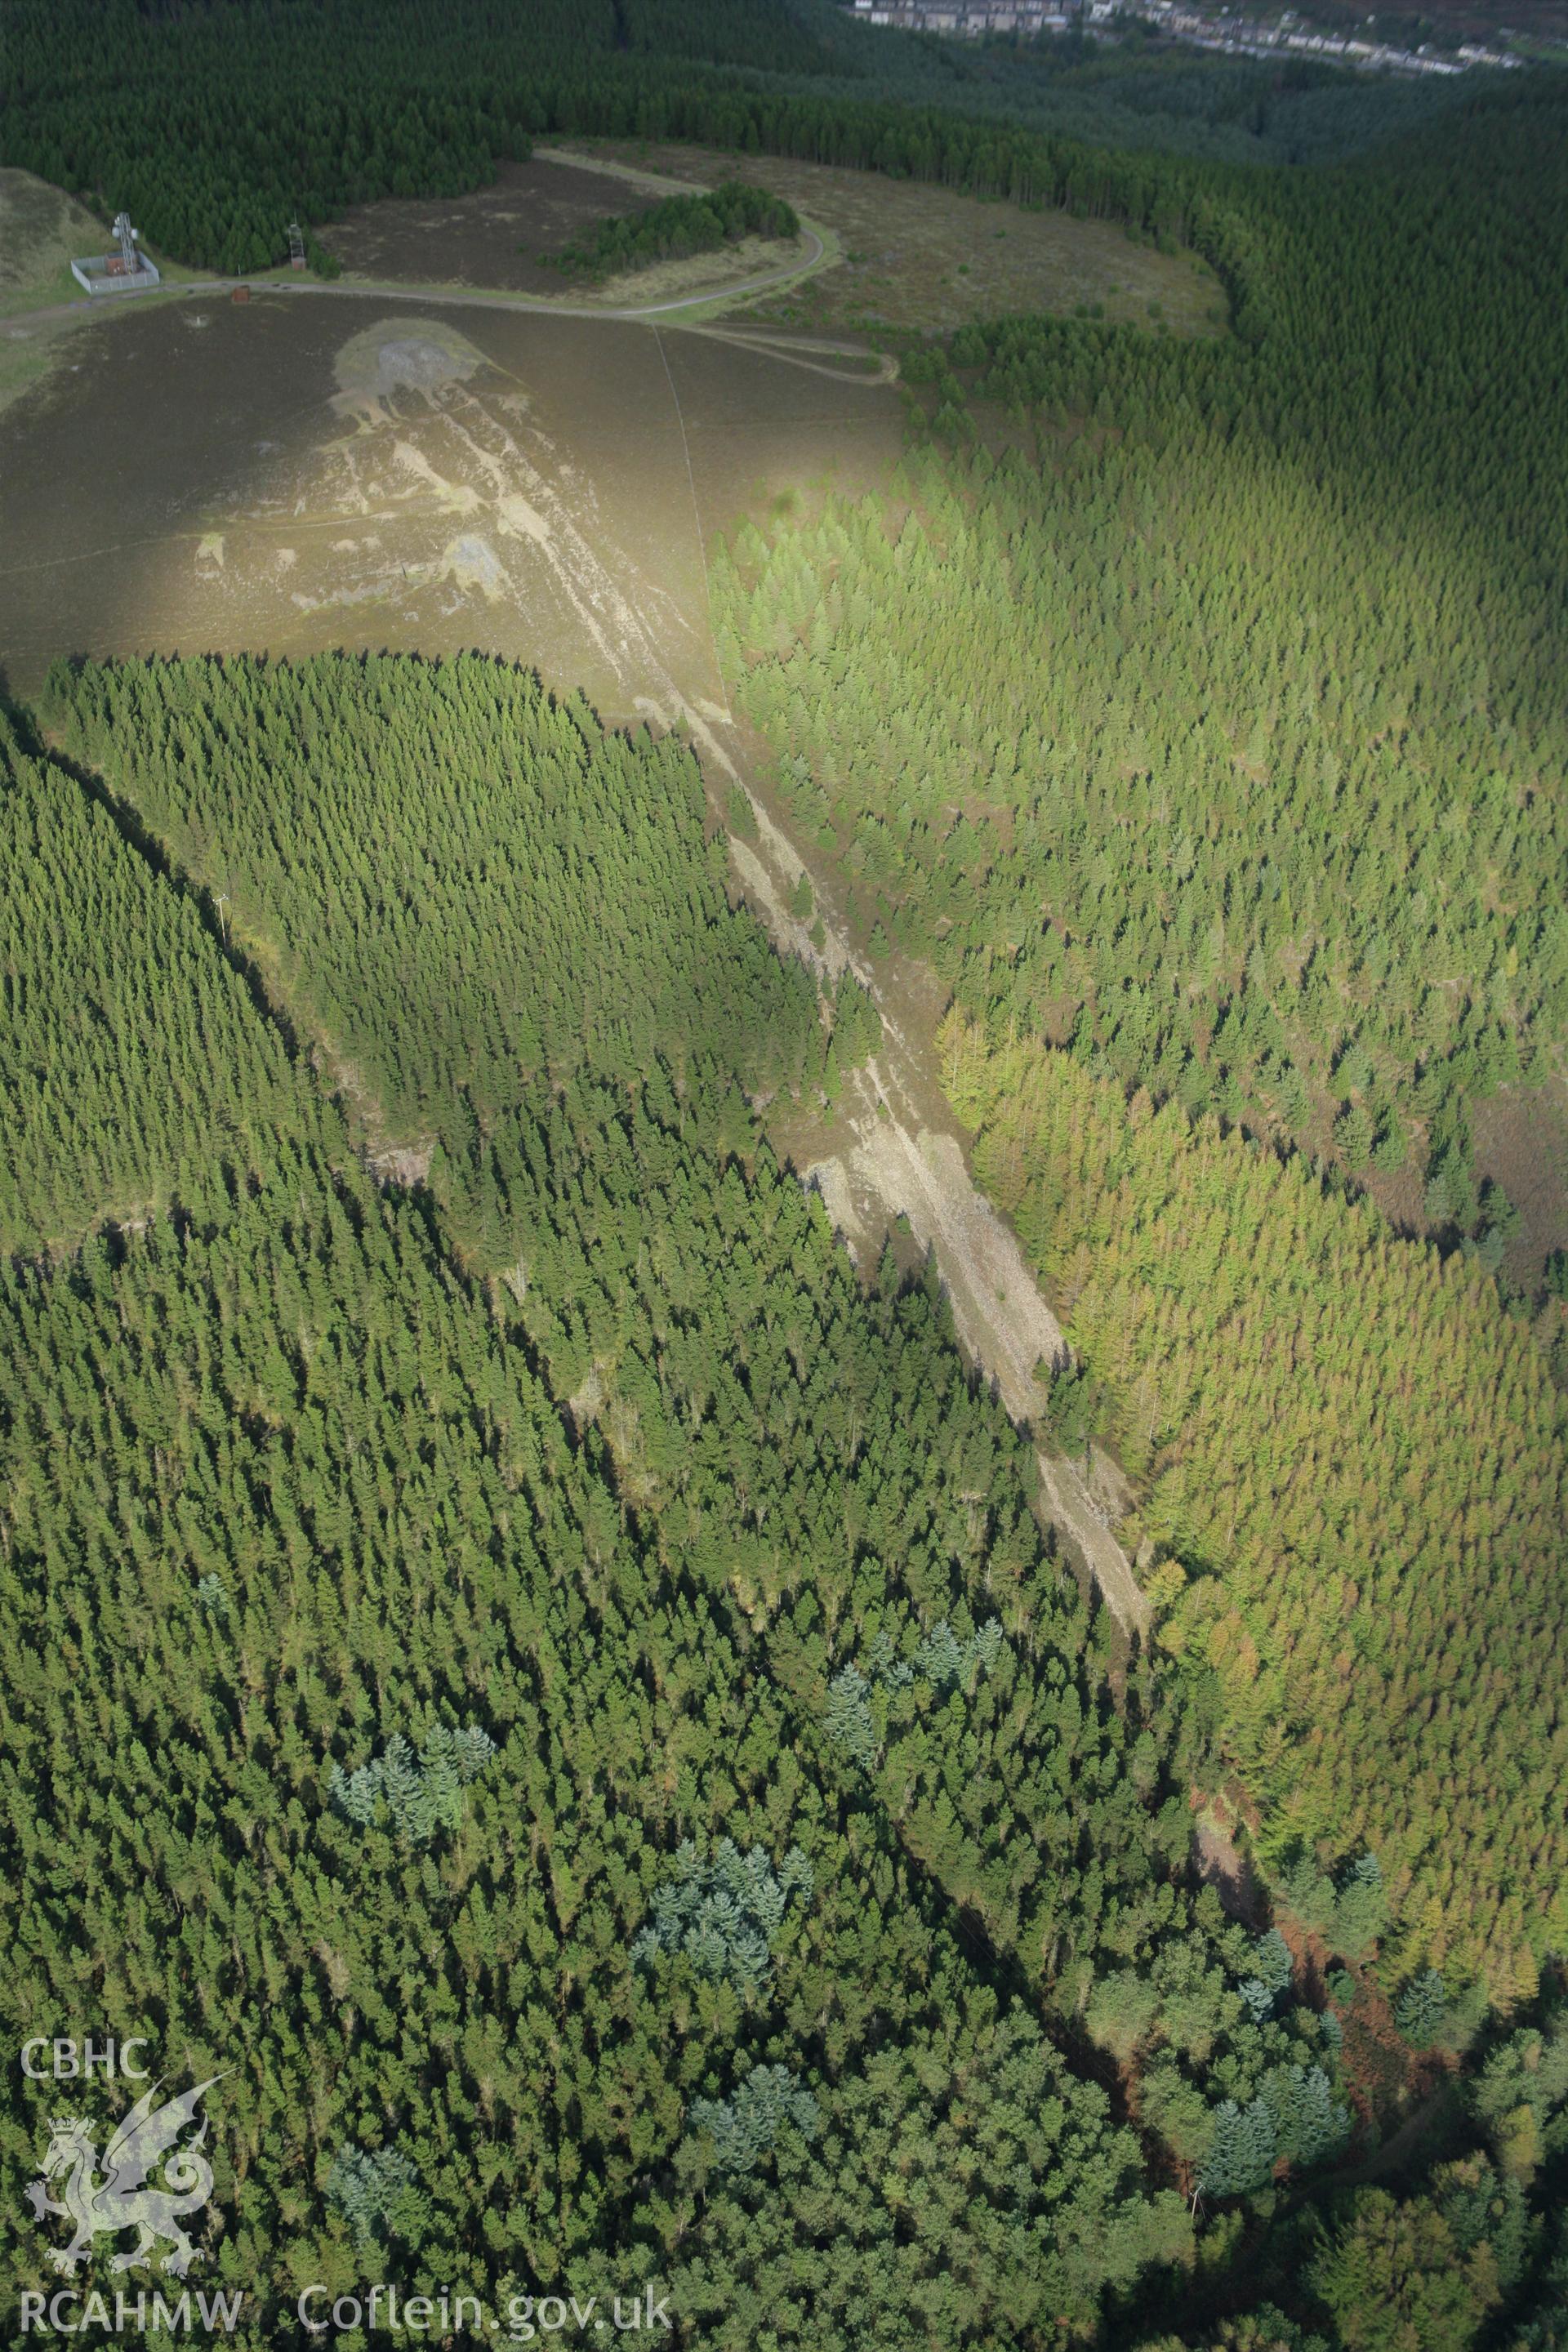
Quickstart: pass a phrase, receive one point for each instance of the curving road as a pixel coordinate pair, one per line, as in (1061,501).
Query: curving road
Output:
(459,296)
(554,305)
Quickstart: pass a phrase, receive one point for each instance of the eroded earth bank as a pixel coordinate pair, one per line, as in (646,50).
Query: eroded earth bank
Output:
(896,1150)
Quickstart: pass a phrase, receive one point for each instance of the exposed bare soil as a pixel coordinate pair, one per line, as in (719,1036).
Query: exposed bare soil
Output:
(900,1154)
(1522,1143)
(310,474)
(327,472)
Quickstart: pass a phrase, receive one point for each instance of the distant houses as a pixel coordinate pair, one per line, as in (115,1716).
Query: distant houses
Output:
(972,16)
(1222,29)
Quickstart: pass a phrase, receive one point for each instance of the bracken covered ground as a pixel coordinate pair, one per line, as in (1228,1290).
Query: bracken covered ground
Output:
(925,256)
(495,236)
(42,230)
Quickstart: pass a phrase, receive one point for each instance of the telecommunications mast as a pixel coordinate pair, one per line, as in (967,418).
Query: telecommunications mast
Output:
(124,271)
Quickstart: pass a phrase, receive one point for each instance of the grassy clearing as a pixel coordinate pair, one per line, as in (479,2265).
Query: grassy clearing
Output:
(493,241)
(28,353)
(735,266)
(41,231)
(926,258)
(493,237)
(899,254)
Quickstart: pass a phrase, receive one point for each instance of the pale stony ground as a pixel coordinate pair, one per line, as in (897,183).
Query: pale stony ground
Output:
(907,1160)
(435,491)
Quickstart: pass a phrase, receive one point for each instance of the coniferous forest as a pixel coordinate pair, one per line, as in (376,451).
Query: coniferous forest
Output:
(677,227)
(526,1660)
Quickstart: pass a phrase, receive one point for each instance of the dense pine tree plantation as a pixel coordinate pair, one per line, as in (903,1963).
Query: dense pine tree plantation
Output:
(108,1108)
(1142,742)
(469,895)
(1358,1459)
(1035,735)
(466,1999)
(1476,2256)
(676,228)
(1170,753)
(676,1474)
(1147,737)
(217,125)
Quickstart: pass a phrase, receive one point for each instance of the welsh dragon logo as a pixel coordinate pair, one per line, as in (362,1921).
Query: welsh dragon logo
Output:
(108,2196)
